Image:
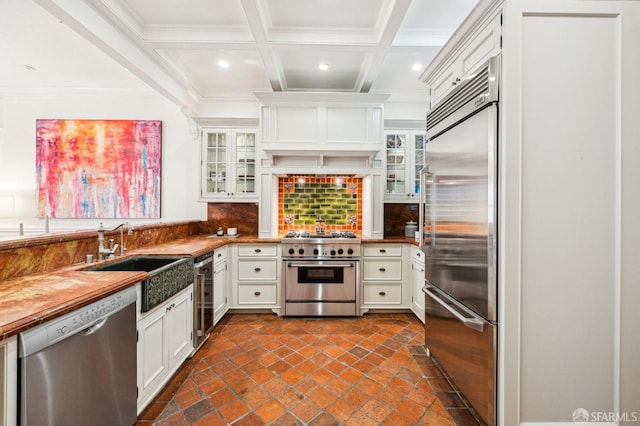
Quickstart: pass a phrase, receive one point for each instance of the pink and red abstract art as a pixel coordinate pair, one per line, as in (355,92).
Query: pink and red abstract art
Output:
(98,168)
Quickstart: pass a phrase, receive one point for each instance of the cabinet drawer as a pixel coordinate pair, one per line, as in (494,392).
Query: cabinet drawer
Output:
(265,294)
(257,270)
(262,250)
(382,270)
(382,250)
(220,254)
(382,294)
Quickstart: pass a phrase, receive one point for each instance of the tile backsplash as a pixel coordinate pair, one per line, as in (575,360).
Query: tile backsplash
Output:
(336,199)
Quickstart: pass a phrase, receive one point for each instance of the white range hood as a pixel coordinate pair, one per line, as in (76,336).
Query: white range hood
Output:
(318,130)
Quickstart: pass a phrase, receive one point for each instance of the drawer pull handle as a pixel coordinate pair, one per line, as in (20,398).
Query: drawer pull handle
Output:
(383,251)
(382,293)
(257,250)
(256,293)
(257,269)
(382,269)
(219,254)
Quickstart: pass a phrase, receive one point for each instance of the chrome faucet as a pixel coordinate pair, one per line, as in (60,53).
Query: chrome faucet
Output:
(110,252)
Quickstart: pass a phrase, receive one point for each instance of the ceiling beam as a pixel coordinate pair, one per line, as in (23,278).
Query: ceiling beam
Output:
(256,23)
(91,25)
(390,28)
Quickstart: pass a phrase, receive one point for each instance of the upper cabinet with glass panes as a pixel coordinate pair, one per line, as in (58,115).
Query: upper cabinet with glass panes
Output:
(404,160)
(228,164)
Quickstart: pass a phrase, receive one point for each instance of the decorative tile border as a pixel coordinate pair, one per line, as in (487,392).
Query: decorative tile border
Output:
(336,199)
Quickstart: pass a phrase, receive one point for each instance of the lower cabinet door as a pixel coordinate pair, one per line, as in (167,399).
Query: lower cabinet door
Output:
(165,340)
(180,323)
(220,302)
(153,353)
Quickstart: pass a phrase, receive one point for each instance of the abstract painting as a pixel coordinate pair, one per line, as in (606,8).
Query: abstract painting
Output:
(98,168)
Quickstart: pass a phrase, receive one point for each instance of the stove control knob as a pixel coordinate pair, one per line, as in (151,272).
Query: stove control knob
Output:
(291,251)
(333,252)
(340,251)
(350,251)
(316,251)
(301,251)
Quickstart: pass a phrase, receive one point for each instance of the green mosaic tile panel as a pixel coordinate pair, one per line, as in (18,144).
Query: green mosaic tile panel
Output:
(310,201)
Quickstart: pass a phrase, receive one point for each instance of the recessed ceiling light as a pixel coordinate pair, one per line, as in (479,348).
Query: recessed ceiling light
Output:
(323,66)
(417,66)
(223,64)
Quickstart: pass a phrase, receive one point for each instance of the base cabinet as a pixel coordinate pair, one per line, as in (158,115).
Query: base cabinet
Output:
(256,277)
(165,340)
(417,282)
(382,276)
(8,381)
(220,283)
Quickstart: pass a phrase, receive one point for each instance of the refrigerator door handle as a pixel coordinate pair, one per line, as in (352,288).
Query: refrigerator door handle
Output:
(426,175)
(472,323)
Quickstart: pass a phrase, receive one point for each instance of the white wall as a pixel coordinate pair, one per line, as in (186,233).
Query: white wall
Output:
(180,154)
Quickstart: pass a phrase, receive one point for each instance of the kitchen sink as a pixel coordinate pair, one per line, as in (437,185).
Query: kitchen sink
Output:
(167,276)
(137,263)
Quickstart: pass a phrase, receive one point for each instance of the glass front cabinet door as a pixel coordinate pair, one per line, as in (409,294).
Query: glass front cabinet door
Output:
(404,160)
(228,164)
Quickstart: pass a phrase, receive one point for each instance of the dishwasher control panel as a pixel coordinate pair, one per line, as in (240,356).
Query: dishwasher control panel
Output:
(92,315)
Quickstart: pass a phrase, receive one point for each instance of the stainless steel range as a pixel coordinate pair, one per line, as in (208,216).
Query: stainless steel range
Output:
(321,274)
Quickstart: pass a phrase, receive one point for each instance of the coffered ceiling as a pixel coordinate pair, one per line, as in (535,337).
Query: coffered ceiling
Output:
(196,51)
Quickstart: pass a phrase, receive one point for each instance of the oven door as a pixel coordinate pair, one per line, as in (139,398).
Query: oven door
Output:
(320,280)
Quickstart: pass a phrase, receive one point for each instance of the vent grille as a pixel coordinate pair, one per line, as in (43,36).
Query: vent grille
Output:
(476,86)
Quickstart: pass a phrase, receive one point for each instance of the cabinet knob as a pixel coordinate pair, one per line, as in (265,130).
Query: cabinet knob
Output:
(382,293)
(257,269)
(256,293)
(257,250)
(382,269)
(383,251)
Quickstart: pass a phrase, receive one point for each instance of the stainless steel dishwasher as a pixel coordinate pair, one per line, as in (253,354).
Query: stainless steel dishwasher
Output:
(80,368)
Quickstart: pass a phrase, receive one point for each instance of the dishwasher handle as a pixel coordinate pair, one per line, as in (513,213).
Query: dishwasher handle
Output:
(94,327)
(473,323)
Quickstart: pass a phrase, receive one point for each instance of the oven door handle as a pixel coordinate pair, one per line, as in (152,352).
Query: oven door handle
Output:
(331,265)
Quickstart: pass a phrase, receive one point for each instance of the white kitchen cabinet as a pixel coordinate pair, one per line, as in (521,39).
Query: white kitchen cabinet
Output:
(405,157)
(382,276)
(228,163)
(478,47)
(220,283)
(165,340)
(256,281)
(9,381)
(417,282)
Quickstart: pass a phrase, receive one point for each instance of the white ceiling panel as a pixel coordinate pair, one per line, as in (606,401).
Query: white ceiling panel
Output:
(304,15)
(301,72)
(175,45)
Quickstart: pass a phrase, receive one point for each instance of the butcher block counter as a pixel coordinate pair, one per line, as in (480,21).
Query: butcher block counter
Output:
(33,299)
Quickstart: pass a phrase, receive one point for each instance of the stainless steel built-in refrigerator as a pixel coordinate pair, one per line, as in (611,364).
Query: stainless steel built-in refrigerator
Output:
(458,213)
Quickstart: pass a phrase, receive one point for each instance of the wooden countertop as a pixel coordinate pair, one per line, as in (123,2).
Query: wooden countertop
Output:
(31,300)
